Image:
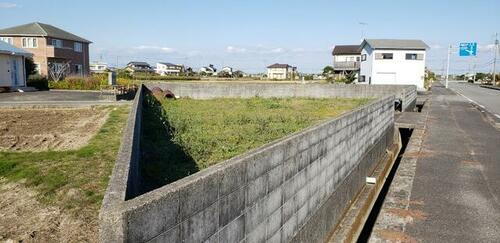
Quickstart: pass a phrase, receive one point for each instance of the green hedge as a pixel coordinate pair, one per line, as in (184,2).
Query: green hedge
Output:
(156,77)
(37,81)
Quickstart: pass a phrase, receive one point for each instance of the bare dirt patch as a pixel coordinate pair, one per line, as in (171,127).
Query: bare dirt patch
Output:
(25,219)
(55,129)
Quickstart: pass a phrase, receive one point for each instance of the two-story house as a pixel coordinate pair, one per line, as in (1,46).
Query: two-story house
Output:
(208,71)
(165,68)
(281,71)
(391,61)
(50,46)
(98,67)
(346,59)
(139,67)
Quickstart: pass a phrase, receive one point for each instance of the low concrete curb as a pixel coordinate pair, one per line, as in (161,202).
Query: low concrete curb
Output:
(490,87)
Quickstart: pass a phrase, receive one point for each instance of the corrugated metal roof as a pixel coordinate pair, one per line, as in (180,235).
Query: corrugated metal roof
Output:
(40,29)
(346,50)
(7,48)
(395,44)
(169,64)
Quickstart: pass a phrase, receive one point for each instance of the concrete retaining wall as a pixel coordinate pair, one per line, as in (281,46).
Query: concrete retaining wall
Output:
(407,94)
(294,189)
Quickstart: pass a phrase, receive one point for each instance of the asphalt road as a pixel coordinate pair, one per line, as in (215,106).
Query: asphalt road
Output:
(457,179)
(452,191)
(488,98)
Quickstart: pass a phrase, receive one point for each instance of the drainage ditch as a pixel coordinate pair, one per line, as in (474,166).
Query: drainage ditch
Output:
(372,218)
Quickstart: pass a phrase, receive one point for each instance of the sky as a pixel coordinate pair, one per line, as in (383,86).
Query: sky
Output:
(250,35)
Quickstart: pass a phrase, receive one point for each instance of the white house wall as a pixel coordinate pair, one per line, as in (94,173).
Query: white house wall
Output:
(394,71)
(277,73)
(345,58)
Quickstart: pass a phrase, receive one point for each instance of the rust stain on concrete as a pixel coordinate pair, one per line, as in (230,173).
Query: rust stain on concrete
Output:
(404,213)
(395,236)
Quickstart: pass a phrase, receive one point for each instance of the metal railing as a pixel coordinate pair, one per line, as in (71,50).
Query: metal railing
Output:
(346,65)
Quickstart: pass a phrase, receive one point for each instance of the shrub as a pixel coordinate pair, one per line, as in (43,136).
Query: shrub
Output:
(38,81)
(160,78)
(78,83)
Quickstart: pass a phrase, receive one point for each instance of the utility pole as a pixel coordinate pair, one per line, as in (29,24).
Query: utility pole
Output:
(448,66)
(495,59)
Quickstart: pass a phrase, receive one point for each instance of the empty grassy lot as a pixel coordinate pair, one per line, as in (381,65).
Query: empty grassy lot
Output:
(71,182)
(201,133)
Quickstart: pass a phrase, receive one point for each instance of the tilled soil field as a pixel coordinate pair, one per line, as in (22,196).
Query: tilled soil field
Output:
(49,129)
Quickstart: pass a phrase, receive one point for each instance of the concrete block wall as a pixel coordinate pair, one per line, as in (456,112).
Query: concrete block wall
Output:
(272,194)
(407,94)
(125,179)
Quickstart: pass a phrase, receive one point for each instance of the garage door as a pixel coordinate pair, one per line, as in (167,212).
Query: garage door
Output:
(386,78)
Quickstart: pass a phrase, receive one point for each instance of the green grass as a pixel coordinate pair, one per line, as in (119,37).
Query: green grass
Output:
(206,132)
(74,180)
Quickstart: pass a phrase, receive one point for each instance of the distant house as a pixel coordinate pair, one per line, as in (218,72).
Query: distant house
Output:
(209,71)
(12,71)
(228,70)
(392,61)
(346,60)
(165,68)
(281,71)
(50,46)
(139,67)
(98,67)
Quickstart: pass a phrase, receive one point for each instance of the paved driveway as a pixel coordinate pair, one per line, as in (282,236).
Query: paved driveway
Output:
(55,97)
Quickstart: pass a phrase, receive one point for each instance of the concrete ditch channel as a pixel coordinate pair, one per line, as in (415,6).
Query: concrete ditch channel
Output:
(301,188)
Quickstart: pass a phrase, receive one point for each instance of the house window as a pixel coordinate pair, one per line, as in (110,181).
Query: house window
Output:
(414,56)
(78,69)
(57,43)
(6,39)
(387,56)
(362,78)
(363,57)
(37,68)
(78,47)
(383,56)
(29,42)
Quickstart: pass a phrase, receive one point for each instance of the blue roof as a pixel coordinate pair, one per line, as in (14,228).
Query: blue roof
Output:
(7,48)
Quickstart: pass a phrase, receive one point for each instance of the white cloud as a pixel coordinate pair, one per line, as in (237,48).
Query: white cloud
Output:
(298,49)
(277,50)
(156,48)
(8,5)
(233,49)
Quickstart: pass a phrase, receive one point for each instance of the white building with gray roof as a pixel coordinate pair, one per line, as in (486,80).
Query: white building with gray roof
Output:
(392,61)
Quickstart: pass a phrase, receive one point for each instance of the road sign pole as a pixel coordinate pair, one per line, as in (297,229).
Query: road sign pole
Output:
(448,67)
(495,60)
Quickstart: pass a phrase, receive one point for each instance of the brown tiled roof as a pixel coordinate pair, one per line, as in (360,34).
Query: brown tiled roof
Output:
(277,65)
(40,29)
(346,50)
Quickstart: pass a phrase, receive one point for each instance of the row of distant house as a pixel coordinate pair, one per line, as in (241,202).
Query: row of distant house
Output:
(382,61)
(375,61)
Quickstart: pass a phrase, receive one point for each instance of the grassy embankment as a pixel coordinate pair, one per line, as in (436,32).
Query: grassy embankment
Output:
(73,180)
(201,133)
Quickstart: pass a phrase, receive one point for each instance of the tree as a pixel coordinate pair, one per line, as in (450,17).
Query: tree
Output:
(350,77)
(58,71)
(30,66)
(328,71)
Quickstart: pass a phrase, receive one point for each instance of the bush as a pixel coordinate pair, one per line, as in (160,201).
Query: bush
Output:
(38,81)
(156,77)
(78,83)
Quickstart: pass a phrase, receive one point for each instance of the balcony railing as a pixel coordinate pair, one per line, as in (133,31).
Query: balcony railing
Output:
(346,65)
